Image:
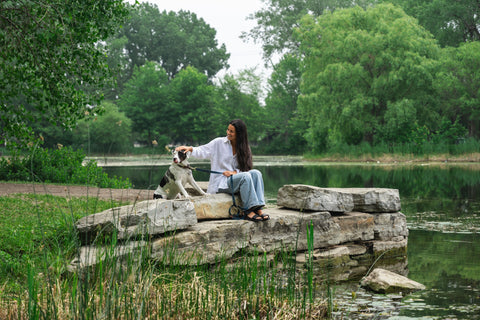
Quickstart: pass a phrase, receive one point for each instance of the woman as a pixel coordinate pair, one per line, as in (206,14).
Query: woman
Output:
(232,156)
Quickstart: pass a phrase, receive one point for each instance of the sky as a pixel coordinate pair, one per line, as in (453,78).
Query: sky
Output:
(229,19)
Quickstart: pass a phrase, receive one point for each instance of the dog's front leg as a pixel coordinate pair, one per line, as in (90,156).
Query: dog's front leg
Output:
(182,189)
(194,184)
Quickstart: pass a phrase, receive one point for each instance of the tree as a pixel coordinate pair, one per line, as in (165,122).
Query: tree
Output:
(51,67)
(240,99)
(275,27)
(192,98)
(108,132)
(458,86)
(451,22)
(278,19)
(146,102)
(284,130)
(173,40)
(362,68)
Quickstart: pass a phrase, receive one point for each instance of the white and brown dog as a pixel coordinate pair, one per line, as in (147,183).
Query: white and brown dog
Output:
(174,181)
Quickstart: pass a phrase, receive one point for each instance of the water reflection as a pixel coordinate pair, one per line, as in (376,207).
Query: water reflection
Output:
(448,264)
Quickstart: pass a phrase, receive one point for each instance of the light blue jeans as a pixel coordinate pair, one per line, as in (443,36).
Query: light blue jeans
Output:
(250,186)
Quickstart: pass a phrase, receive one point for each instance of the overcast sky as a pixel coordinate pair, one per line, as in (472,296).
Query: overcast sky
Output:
(228,18)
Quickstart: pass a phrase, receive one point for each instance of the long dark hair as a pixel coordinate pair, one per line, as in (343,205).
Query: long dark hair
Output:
(244,154)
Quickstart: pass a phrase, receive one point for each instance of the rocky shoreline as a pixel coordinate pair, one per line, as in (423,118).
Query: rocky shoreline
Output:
(353,229)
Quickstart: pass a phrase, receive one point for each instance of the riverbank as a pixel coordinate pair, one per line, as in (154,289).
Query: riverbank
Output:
(400,158)
(278,160)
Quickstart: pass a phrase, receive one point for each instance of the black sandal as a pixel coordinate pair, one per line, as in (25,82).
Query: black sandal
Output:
(254,218)
(265,216)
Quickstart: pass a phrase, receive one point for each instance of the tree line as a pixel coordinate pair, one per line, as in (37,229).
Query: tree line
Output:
(380,73)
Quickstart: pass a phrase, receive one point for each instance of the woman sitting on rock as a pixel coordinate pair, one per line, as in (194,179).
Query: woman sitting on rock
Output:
(232,156)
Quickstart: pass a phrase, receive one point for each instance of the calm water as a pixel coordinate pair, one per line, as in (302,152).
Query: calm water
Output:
(442,205)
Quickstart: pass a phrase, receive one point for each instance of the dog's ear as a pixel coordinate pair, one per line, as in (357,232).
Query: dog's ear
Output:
(182,155)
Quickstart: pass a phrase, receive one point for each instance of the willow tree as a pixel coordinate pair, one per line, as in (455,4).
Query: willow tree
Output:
(367,76)
(51,67)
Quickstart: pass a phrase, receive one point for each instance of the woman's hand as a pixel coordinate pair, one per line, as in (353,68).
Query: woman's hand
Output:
(229,173)
(184,148)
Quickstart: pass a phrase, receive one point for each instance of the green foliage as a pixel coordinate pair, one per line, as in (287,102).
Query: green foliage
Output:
(192,117)
(284,130)
(362,69)
(63,165)
(458,86)
(146,102)
(108,132)
(276,21)
(173,40)
(451,22)
(51,67)
(240,99)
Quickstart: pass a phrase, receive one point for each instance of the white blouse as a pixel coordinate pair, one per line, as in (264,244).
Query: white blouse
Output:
(219,152)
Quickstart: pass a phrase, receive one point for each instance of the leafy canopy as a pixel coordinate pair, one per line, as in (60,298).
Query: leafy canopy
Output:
(451,22)
(173,40)
(365,71)
(51,67)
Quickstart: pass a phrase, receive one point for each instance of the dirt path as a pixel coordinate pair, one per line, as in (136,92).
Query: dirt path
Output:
(126,195)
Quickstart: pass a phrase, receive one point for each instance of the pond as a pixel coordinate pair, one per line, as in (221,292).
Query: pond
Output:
(442,205)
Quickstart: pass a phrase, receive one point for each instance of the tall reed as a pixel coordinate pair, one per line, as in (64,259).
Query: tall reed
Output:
(253,285)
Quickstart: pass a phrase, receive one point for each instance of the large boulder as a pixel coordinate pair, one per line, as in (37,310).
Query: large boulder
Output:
(374,200)
(384,281)
(152,217)
(214,206)
(370,200)
(304,197)
(208,241)
(89,256)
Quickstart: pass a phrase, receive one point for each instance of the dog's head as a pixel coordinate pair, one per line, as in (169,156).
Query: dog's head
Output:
(179,156)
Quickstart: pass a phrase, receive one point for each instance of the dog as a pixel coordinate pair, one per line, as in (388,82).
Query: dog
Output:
(177,175)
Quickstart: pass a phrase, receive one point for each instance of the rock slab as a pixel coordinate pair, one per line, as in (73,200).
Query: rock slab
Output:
(369,200)
(304,197)
(384,281)
(153,217)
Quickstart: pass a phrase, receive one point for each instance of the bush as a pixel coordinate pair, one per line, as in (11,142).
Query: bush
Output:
(63,165)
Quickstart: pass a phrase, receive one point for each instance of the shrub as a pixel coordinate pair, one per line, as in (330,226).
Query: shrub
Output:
(62,165)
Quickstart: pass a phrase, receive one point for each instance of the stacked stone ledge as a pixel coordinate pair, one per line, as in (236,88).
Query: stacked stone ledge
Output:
(352,227)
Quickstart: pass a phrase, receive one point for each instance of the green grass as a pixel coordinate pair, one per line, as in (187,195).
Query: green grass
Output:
(38,230)
(39,241)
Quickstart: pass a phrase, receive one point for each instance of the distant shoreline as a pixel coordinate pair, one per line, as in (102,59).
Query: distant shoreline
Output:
(164,160)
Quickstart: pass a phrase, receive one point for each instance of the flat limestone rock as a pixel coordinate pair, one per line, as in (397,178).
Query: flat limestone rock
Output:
(214,206)
(390,226)
(208,241)
(151,217)
(355,226)
(382,246)
(374,200)
(384,281)
(305,197)
(369,200)
(89,256)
